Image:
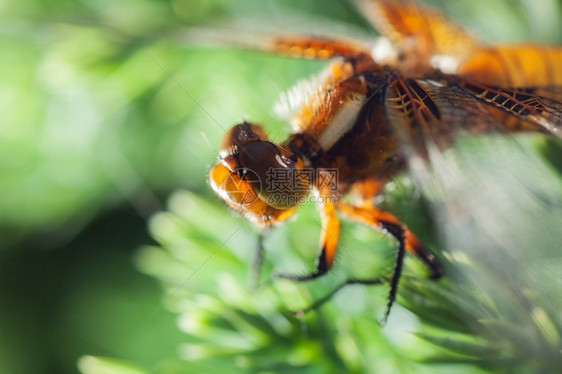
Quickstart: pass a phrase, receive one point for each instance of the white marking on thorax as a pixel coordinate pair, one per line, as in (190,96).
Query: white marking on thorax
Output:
(341,124)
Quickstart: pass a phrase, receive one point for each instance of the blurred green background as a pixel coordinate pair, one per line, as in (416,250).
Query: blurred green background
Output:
(106,110)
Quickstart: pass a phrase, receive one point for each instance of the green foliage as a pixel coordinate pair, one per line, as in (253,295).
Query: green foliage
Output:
(228,325)
(98,365)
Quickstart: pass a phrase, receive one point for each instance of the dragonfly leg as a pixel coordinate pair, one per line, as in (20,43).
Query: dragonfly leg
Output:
(257,261)
(407,241)
(318,303)
(364,210)
(328,245)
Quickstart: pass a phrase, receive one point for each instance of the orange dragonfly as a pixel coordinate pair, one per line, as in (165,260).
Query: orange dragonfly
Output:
(370,117)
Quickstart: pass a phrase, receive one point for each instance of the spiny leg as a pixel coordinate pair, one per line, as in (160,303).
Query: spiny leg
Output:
(318,303)
(257,260)
(328,245)
(324,261)
(370,215)
(398,233)
(407,241)
(365,191)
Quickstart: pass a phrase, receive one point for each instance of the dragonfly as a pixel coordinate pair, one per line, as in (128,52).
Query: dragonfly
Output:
(369,117)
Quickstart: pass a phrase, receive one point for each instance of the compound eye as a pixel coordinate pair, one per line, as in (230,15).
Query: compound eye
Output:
(278,180)
(239,136)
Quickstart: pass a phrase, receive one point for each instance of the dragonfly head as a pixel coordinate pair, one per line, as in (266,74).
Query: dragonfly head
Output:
(258,178)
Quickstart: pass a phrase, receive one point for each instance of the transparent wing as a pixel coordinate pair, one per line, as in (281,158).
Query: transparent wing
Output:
(523,104)
(550,92)
(285,44)
(427,114)
(497,204)
(419,32)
